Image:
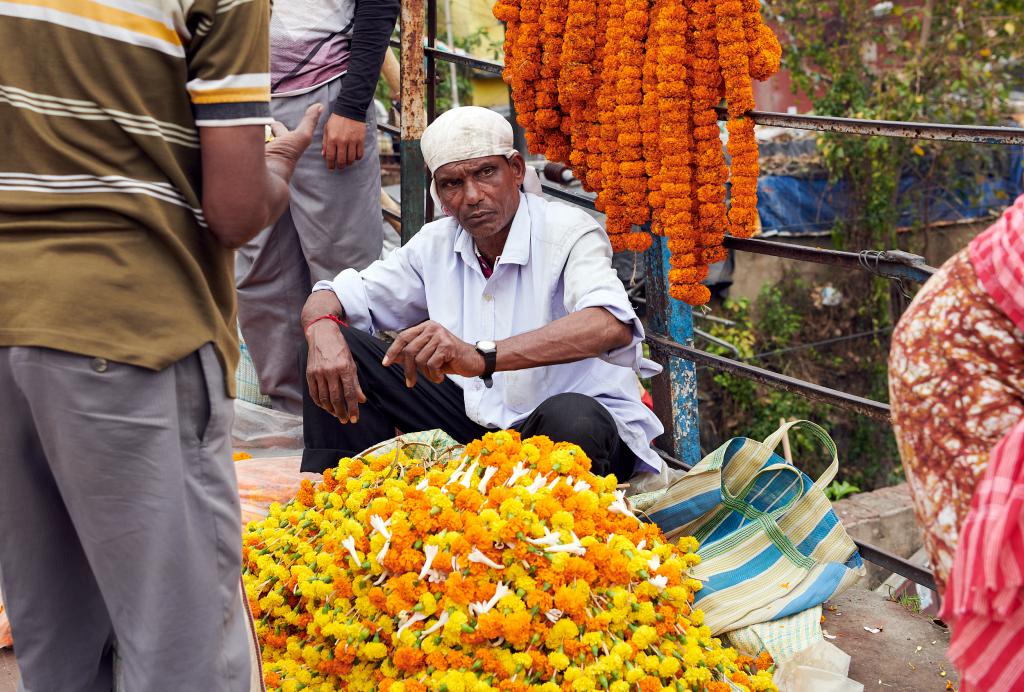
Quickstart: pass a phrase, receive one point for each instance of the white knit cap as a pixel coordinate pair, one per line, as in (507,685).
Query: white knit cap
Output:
(469,132)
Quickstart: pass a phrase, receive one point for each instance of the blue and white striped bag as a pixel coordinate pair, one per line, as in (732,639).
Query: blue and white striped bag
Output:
(770,543)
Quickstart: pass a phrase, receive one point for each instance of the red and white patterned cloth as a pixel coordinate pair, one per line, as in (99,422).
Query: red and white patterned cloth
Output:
(998,258)
(984,599)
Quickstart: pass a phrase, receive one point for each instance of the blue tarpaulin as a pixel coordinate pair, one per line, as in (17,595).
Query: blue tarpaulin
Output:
(800,206)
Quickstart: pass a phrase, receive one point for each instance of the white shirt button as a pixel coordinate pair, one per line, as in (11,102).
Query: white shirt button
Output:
(488,297)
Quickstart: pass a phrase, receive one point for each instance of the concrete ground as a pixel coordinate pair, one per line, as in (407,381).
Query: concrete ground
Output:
(907,653)
(8,671)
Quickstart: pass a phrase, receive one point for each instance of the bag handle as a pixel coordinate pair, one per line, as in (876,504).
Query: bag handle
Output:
(766,521)
(737,503)
(760,521)
(818,432)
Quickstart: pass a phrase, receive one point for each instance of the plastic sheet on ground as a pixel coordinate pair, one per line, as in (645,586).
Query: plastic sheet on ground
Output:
(265,480)
(5,627)
(804,661)
(263,431)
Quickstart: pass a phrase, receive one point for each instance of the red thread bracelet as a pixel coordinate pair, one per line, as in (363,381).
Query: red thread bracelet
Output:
(332,318)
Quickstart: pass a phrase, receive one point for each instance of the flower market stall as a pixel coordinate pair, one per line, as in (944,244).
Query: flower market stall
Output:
(509,566)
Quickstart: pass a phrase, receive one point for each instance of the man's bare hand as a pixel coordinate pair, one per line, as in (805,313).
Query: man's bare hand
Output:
(343,141)
(331,372)
(434,351)
(284,151)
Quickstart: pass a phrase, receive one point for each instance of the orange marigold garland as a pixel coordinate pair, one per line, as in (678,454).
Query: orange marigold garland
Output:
(576,80)
(629,153)
(763,48)
(549,113)
(732,56)
(609,195)
(523,70)
(650,120)
(742,146)
(712,173)
(625,92)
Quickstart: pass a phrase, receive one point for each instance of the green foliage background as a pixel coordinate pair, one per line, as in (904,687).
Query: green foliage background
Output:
(928,61)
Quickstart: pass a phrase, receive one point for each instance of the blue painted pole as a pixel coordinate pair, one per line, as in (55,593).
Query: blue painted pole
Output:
(675,389)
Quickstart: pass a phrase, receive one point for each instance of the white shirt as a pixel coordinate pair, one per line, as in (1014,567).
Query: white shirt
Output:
(556,261)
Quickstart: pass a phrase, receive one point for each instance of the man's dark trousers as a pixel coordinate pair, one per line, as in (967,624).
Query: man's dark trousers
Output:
(390,405)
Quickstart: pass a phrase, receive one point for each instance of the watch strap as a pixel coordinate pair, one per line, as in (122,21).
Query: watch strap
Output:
(490,363)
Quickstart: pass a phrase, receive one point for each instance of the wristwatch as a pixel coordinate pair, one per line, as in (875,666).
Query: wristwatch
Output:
(489,350)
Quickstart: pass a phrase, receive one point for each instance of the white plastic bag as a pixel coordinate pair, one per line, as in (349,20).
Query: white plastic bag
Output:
(821,667)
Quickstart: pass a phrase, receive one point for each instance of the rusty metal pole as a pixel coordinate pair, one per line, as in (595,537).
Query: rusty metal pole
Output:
(414,118)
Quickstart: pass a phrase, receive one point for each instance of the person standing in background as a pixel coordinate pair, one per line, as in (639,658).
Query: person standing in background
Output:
(326,52)
(134,161)
(956,383)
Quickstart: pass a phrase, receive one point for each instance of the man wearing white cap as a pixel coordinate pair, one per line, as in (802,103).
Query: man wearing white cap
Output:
(508,308)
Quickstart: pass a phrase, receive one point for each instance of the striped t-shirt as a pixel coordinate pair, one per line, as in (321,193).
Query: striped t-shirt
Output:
(103,247)
(311,42)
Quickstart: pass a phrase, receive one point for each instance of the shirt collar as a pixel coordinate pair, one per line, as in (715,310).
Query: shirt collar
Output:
(517,245)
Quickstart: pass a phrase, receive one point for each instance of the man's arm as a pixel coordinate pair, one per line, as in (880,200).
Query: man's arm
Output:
(589,333)
(245,182)
(345,130)
(434,351)
(330,369)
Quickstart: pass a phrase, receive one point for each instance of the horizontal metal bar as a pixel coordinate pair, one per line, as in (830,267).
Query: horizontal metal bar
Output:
(896,564)
(715,340)
(573,197)
(979,134)
(850,402)
(889,263)
(391,129)
(477,63)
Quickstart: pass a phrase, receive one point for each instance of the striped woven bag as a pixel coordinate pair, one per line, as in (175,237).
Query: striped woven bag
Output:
(770,543)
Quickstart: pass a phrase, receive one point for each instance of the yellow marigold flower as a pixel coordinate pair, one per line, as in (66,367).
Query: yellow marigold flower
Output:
(644,636)
(558,660)
(374,651)
(668,667)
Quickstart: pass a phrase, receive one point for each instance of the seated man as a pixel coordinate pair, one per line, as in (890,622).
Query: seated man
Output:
(510,309)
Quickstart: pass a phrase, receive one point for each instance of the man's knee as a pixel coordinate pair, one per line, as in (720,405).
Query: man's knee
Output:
(571,416)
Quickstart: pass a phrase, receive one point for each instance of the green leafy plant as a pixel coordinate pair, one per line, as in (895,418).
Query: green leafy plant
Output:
(840,489)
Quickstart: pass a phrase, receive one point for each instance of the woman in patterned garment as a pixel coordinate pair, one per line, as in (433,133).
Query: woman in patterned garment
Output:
(956,378)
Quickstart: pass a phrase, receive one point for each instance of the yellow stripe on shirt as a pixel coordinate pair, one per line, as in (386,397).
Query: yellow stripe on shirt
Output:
(233,95)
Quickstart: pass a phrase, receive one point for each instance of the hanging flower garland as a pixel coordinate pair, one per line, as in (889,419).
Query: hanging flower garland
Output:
(763,48)
(650,118)
(597,100)
(609,198)
(523,70)
(549,112)
(629,153)
(625,92)
(576,80)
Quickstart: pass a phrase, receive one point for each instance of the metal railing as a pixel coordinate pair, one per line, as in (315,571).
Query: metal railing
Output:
(670,327)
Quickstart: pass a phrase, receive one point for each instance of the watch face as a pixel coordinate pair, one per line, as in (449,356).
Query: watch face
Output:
(486,345)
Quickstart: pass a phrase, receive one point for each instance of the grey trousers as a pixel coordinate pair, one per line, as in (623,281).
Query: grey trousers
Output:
(120,520)
(333,223)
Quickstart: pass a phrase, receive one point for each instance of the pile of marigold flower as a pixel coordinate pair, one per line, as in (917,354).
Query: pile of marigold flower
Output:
(511,568)
(625,91)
